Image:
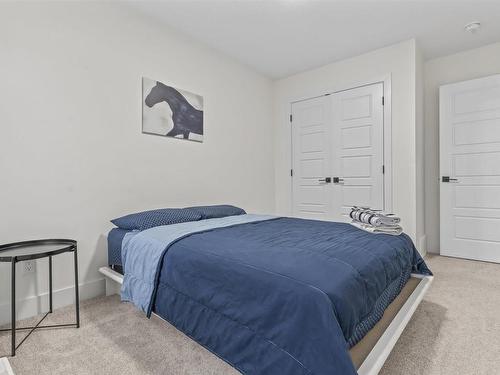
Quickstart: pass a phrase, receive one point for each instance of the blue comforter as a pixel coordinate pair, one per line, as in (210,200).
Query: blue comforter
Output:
(279,296)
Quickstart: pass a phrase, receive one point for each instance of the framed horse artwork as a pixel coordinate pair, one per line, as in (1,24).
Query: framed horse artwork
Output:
(171,112)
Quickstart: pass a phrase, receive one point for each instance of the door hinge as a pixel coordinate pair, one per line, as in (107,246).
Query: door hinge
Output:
(291,172)
(383,169)
(291,117)
(383,100)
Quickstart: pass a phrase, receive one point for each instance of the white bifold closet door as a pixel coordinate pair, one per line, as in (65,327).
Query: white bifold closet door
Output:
(469,135)
(312,158)
(337,150)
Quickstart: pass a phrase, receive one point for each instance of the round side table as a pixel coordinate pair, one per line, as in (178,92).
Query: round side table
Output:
(31,250)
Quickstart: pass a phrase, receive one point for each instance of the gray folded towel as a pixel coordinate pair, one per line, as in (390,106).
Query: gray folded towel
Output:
(376,218)
(394,230)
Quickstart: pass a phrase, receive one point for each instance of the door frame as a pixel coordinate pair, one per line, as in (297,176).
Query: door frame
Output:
(387,129)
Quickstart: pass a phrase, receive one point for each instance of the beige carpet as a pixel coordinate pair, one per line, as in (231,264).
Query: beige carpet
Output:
(456,330)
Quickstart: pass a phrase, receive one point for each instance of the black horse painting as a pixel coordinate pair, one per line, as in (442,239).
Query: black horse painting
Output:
(186,118)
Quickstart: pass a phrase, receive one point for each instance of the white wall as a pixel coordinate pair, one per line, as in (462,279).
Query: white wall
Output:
(72,155)
(462,66)
(398,61)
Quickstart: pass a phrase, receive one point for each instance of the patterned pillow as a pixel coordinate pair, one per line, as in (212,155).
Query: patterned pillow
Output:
(211,212)
(154,218)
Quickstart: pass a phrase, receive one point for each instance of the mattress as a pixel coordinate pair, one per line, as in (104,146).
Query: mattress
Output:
(115,238)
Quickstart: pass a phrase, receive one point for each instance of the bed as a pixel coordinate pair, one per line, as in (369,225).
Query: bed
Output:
(273,294)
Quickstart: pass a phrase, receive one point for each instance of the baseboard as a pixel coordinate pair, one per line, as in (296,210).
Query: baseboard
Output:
(5,368)
(35,305)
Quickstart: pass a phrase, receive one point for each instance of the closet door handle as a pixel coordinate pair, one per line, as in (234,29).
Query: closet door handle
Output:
(338,180)
(449,179)
(326,180)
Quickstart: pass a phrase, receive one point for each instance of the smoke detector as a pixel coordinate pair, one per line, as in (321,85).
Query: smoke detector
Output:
(472,27)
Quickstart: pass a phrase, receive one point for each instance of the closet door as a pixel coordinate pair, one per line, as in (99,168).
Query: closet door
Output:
(311,134)
(469,140)
(357,140)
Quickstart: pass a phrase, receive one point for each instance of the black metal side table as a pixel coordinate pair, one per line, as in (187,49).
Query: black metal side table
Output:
(31,250)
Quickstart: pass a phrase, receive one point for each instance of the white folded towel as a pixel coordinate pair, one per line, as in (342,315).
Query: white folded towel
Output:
(394,230)
(375,218)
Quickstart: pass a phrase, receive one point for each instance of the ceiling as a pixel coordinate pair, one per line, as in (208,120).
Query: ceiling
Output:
(279,38)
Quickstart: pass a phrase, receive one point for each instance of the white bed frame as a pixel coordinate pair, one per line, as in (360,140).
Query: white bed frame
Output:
(377,357)
(5,368)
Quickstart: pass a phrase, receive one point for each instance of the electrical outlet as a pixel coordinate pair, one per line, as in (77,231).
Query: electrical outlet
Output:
(29,266)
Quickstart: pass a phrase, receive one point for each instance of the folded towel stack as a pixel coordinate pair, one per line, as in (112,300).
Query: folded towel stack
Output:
(375,221)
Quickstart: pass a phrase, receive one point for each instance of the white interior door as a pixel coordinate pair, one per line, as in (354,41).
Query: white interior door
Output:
(311,158)
(337,149)
(470,169)
(358,149)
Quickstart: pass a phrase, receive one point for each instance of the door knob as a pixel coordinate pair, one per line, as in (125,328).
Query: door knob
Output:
(448,179)
(326,180)
(338,180)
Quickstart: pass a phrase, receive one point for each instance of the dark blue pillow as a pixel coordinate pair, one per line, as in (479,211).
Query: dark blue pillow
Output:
(154,218)
(211,212)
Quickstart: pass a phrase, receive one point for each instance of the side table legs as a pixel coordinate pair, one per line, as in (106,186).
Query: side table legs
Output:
(51,306)
(77,294)
(13,306)
(50,284)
